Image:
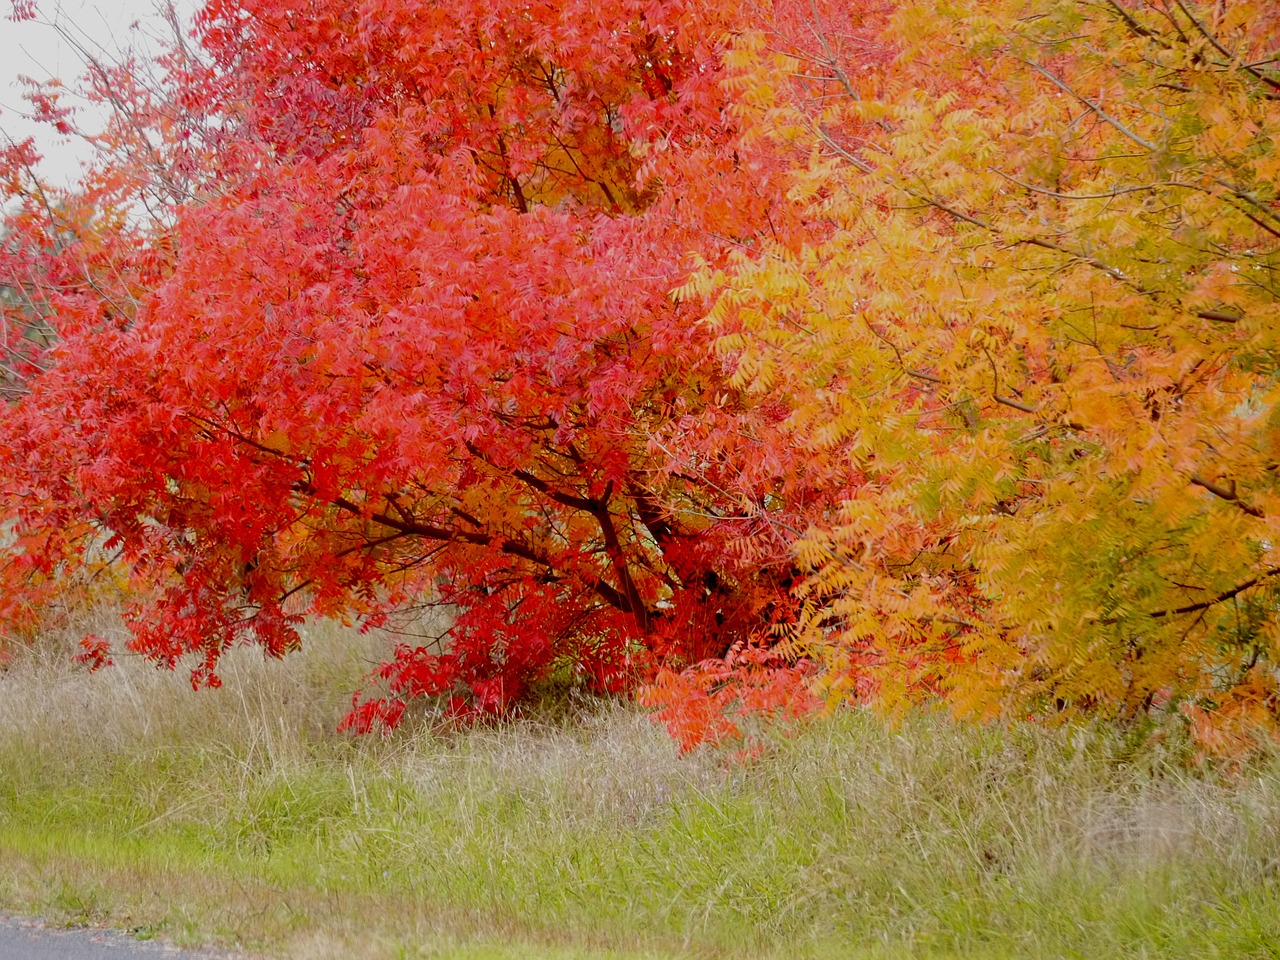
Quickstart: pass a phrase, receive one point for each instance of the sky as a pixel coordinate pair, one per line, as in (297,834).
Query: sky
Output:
(34,49)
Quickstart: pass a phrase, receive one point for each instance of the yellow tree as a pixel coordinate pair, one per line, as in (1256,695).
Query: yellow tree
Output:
(1037,324)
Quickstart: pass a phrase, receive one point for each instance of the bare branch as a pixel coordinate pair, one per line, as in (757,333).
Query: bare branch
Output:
(1220,598)
(1228,494)
(1219,315)
(1015,404)
(1102,114)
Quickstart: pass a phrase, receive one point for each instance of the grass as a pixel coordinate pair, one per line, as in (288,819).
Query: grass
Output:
(238,817)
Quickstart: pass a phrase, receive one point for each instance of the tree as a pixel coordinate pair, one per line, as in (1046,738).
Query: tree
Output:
(68,260)
(1037,319)
(411,337)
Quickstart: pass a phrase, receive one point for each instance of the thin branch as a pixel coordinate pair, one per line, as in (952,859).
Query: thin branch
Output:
(1214,601)
(921,375)
(1015,404)
(1131,22)
(832,61)
(1245,195)
(1228,494)
(1231,58)
(1220,316)
(1110,194)
(1113,272)
(537,483)
(1102,114)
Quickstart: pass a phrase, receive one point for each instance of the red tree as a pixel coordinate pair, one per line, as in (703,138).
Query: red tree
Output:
(411,335)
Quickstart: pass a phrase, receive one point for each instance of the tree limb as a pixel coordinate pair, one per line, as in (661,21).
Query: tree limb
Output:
(1229,494)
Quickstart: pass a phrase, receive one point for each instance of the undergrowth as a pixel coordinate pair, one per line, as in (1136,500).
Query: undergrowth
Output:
(239,816)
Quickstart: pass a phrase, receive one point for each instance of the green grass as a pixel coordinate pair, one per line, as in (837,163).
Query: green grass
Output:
(238,817)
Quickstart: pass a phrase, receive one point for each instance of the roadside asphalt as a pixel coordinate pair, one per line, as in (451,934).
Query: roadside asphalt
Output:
(23,939)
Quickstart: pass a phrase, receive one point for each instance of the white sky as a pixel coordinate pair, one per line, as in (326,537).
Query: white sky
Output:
(34,49)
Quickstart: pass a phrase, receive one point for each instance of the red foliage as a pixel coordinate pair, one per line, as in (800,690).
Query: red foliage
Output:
(95,653)
(403,328)
(708,702)
(372,714)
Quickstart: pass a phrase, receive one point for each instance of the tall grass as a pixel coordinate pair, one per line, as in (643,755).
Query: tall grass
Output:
(240,815)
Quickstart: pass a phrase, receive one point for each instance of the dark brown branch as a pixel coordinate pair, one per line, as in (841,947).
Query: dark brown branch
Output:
(1015,404)
(463,515)
(651,514)
(521,203)
(514,548)
(1203,605)
(1262,206)
(1213,601)
(613,547)
(1131,22)
(918,374)
(1229,494)
(564,499)
(573,501)
(1027,408)
(237,435)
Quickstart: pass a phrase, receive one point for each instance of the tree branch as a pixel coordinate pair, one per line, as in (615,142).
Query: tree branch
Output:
(1229,494)
(1015,404)
(514,548)
(1102,114)
(1231,58)
(585,504)
(1214,601)
(1219,315)
(630,592)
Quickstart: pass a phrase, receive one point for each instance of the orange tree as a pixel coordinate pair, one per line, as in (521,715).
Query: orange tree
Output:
(1036,323)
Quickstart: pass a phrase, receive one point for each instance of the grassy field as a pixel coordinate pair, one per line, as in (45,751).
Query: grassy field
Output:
(238,817)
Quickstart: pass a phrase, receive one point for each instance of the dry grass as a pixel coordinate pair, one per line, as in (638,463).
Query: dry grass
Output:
(240,816)
(134,701)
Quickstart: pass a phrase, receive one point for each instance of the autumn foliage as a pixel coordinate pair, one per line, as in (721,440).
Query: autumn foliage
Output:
(411,340)
(884,350)
(1036,321)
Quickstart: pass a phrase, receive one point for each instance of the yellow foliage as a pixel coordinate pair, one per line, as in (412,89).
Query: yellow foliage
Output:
(1040,325)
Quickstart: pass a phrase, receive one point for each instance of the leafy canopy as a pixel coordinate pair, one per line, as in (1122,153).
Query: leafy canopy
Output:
(1037,319)
(409,337)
